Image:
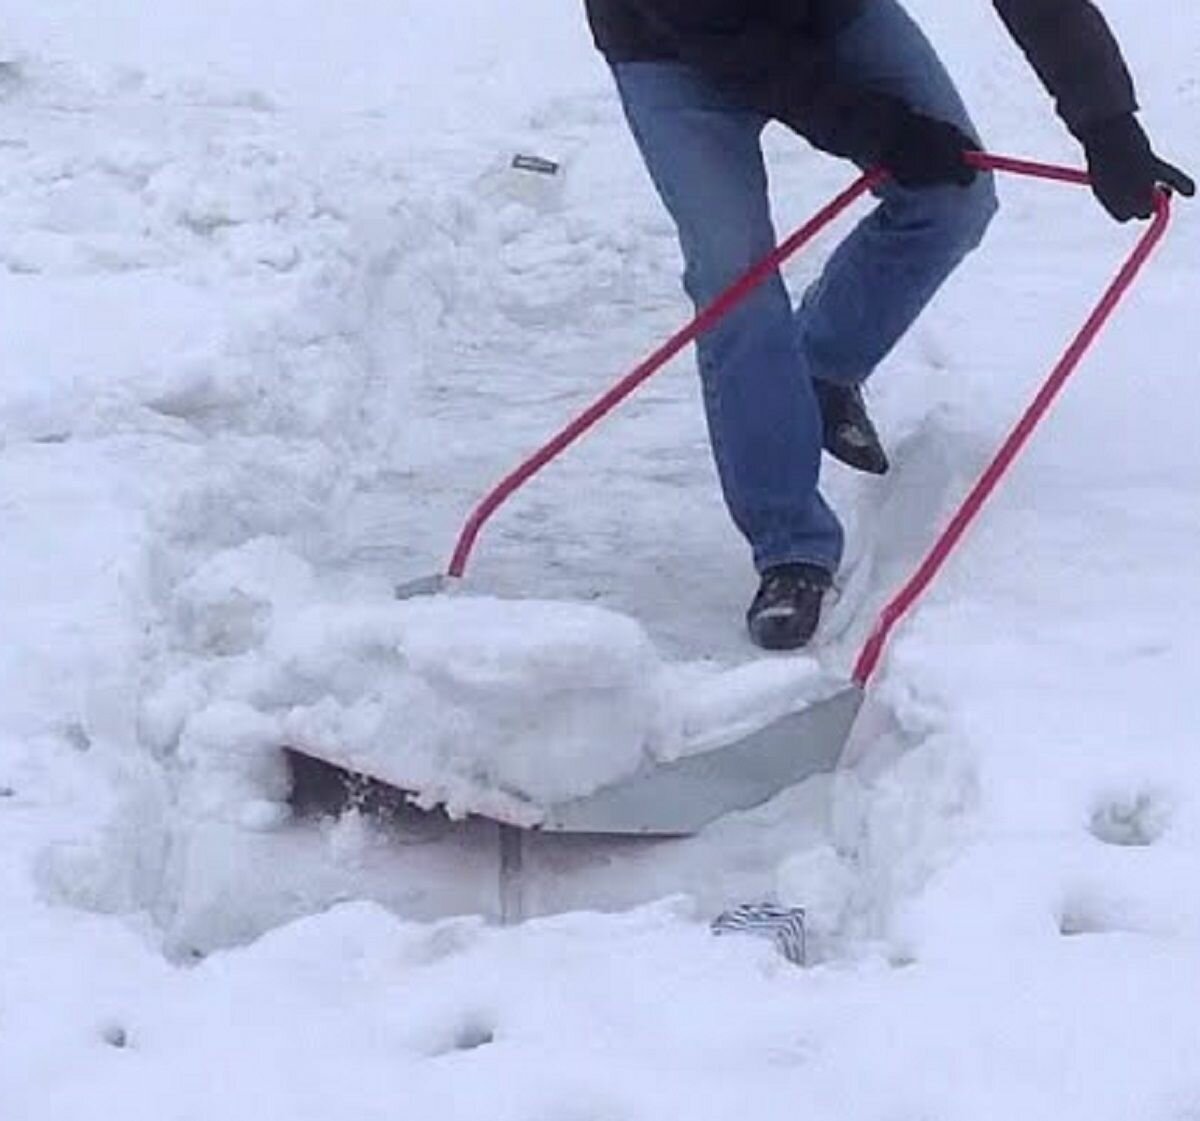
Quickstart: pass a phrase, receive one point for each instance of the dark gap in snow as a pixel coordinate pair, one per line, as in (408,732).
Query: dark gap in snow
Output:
(472,1036)
(1138,821)
(1072,926)
(1079,918)
(116,1036)
(11,77)
(323,790)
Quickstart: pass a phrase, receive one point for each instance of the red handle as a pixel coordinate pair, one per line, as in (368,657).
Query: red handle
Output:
(1031,169)
(902,603)
(872,652)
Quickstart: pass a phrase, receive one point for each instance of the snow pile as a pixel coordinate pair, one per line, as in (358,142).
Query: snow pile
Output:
(478,705)
(475,704)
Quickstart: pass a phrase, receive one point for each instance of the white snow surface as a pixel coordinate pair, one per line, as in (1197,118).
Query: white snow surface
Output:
(275,312)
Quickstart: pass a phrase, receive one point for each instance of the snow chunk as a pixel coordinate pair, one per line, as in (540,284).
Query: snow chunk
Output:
(482,705)
(543,701)
(478,704)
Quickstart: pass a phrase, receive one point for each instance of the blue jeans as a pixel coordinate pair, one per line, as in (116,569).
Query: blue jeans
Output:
(757,367)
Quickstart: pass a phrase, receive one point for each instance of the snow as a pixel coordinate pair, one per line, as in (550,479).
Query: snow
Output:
(276,310)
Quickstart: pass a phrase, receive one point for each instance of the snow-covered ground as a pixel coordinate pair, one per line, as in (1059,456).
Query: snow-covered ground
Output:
(273,311)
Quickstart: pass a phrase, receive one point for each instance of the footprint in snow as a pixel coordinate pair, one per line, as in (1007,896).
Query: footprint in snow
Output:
(1137,820)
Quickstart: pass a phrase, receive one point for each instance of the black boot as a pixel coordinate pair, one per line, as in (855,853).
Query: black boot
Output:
(848,434)
(787,609)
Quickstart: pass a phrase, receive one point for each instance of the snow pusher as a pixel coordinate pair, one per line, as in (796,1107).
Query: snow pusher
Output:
(680,798)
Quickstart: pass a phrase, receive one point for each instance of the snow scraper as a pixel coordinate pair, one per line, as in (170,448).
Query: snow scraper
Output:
(682,797)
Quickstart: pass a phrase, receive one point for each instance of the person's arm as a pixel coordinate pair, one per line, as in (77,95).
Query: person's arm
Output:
(1070,46)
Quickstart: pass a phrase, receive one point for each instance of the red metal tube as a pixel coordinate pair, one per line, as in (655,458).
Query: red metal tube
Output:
(895,611)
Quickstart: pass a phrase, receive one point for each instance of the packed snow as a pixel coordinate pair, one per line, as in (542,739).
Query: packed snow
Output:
(276,310)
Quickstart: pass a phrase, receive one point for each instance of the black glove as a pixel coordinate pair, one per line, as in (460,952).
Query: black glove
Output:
(875,129)
(920,151)
(1125,171)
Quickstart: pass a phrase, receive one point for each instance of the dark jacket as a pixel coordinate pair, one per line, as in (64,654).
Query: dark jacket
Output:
(773,55)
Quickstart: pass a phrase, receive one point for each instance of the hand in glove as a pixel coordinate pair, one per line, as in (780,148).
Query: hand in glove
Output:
(920,151)
(1125,172)
(876,129)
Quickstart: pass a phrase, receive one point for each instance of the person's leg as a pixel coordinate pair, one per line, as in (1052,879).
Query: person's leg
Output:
(703,153)
(881,277)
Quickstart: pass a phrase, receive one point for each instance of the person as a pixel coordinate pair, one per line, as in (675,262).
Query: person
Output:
(699,80)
